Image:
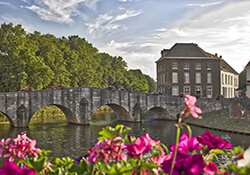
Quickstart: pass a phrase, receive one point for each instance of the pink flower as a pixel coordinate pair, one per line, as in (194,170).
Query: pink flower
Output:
(5,146)
(212,169)
(10,168)
(108,151)
(22,147)
(185,164)
(141,146)
(190,106)
(213,142)
(187,144)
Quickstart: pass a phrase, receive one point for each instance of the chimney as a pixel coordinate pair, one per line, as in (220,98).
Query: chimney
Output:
(216,54)
(220,56)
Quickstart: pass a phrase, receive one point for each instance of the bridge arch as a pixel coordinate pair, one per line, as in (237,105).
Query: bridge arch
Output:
(121,113)
(160,113)
(70,116)
(9,118)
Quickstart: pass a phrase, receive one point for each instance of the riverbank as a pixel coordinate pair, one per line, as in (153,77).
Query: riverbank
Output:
(220,120)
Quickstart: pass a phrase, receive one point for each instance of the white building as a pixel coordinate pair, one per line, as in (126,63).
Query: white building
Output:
(248,80)
(229,80)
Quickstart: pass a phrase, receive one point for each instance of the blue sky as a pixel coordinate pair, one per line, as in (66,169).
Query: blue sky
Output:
(138,30)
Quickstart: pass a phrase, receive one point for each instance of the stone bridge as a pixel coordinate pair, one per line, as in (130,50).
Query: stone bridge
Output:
(79,104)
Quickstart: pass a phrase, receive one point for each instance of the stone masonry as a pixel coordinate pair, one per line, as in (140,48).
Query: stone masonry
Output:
(79,104)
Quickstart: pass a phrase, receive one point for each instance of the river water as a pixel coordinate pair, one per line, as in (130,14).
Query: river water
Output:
(71,140)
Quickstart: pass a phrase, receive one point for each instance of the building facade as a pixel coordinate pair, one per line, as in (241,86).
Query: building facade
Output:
(186,68)
(229,81)
(248,80)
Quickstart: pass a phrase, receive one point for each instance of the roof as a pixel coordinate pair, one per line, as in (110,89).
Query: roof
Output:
(192,50)
(187,50)
(248,64)
(225,66)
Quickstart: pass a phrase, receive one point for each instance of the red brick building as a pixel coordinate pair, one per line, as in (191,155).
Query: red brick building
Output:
(186,68)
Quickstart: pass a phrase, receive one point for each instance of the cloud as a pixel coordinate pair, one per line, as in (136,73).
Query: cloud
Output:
(224,30)
(60,11)
(7,3)
(205,5)
(136,55)
(4,3)
(127,14)
(124,0)
(27,27)
(117,45)
(107,23)
(127,0)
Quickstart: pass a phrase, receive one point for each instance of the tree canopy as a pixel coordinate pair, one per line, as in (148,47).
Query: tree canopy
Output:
(43,60)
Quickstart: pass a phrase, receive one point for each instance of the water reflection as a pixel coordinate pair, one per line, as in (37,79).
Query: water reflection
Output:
(74,140)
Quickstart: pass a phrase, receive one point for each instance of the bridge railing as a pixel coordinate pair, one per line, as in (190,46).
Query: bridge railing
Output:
(243,100)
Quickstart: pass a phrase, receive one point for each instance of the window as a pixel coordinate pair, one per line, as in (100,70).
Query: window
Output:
(209,77)
(198,66)
(228,79)
(175,90)
(224,92)
(198,90)
(160,67)
(163,78)
(209,92)
(186,90)
(222,78)
(186,77)
(174,66)
(235,81)
(198,77)
(186,66)
(174,77)
(231,80)
(225,79)
(209,66)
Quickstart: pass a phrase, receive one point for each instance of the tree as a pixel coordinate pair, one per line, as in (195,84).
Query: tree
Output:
(11,67)
(42,60)
(151,83)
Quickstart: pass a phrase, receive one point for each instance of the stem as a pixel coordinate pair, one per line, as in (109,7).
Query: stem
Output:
(176,146)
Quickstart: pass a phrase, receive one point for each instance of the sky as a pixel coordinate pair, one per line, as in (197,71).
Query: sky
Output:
(137,30)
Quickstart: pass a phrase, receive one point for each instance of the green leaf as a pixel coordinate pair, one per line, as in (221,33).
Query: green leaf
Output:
(189,130)
(165,148)
(111,133)
(218,151)
(40,163)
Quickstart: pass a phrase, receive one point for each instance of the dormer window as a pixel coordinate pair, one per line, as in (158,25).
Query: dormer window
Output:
(198,66)
(174,66)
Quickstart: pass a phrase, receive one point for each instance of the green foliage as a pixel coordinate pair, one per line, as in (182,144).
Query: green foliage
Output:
(120,168)
(82,169)
(61,166)
(39,163)
(42,60)
(137,81)
(111,133)
(144,113)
